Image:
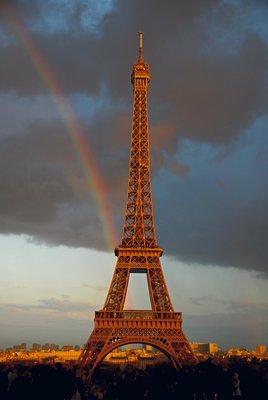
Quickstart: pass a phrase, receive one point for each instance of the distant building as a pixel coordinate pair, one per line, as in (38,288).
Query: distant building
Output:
(261,349)
(54,346)
(237,352)
(76,347)
(214,348)
(203,348)
(23,346)
(50,346)
(200,347)
(20,347)
(36,347)
(147,347)
(67,347)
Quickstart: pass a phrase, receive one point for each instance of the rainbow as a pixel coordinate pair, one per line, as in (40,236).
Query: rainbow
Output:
(76,134)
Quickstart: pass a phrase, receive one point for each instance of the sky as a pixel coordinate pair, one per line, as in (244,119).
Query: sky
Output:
(65,109)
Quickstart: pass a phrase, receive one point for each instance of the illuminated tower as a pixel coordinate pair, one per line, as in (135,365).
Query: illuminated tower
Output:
(138,252)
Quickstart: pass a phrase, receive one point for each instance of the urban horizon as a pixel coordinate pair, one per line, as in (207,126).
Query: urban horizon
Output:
(23,346)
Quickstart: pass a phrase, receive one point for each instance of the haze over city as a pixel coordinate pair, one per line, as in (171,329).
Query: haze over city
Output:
(66,109)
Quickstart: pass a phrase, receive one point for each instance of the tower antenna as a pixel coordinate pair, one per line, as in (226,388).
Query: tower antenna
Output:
(141,61)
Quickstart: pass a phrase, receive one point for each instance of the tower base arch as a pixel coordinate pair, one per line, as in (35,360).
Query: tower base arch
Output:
(164,333)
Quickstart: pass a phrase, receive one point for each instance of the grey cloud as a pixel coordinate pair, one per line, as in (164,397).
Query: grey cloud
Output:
(233,306)
(61,326)
(28,110)
(199,90)
(261,275)
(202,223)
(216,101)
(34,77)
(199,300)
(232,327)
(52,18)
(43,190)
(227,329)
(262,156)
(99,288)
(209,98)
(59,305)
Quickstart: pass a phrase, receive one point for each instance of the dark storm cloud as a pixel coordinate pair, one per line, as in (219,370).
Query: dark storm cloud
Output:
(43,189)
(24,74)
(199,220)
(209,84)
(207,95)
(216,101)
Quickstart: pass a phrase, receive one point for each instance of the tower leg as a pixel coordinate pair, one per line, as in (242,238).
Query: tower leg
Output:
(117,293)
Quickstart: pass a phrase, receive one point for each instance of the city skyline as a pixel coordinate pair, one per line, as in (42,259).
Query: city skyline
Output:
(202,347)
(66,103)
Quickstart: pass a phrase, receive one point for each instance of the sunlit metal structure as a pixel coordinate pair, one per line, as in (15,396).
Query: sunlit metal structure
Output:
(138,253)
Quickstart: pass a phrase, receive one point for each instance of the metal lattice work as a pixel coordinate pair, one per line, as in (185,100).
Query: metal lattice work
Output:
(138,261)
(138,253)
(115,329)
(139,228)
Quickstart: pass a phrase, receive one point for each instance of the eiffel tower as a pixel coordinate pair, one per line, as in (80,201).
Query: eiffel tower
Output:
(138,253)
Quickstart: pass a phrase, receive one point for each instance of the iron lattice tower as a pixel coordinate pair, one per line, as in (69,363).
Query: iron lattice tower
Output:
(138,253)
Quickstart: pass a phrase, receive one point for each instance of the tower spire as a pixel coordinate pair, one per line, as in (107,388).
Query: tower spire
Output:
(141,60)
